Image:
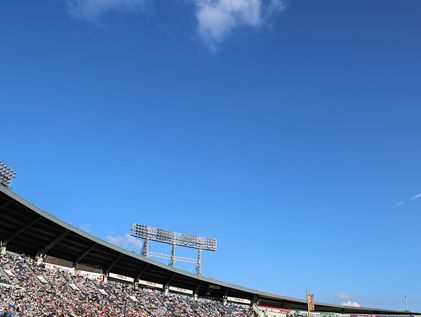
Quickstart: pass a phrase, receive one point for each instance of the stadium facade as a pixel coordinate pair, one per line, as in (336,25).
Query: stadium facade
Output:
(26,229)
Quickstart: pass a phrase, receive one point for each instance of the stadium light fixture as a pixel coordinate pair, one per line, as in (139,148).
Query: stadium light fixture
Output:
(148,233)
(6,175)
(170,237)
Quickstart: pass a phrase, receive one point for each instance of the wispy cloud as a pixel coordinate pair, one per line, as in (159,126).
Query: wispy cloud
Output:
(416,196)
(127,242)
(93,10)
(403,202)
(351,303)
(399,203)
(217,19)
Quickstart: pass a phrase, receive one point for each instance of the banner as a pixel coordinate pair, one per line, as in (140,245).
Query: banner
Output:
(310,302)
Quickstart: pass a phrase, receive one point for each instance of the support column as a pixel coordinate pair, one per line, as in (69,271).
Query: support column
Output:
(145,247)
(166,290)
(2,248)
(199,262)
(172,260)
(39,259)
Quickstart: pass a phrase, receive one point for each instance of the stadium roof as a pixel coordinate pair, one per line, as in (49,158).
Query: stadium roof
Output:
(29,230)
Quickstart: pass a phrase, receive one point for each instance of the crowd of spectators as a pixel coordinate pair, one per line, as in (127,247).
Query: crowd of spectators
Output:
(28,289)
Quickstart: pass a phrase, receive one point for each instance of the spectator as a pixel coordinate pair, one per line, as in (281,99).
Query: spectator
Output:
(30,296)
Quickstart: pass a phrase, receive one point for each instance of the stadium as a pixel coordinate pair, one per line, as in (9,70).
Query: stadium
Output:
(51,268)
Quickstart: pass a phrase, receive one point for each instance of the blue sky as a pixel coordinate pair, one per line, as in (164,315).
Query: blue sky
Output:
(287,130)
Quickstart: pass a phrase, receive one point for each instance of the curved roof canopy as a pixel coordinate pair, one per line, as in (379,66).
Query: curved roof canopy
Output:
(24,228)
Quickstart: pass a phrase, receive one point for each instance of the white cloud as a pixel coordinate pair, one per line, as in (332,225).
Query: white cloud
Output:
(416,196)
(218,18)
(127,242)
(351,303)
(92,10)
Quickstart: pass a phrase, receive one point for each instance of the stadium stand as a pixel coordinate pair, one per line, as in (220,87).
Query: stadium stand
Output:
(40,290)
(92,277)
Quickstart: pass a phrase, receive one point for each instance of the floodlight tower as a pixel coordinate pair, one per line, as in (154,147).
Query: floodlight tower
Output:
(174,239)
(6,175)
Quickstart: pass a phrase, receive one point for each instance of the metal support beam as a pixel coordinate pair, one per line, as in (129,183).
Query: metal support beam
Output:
(84,254)
(6,204)
(256,300)
(54,242)
(196,290)
(112,264)
(17,233)
(225,297)
(141,272)
(170,280)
